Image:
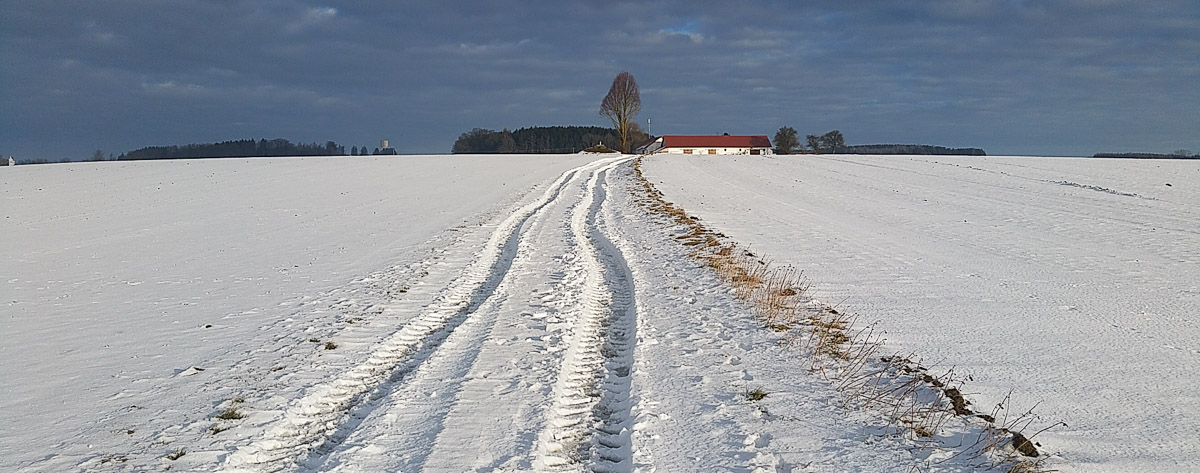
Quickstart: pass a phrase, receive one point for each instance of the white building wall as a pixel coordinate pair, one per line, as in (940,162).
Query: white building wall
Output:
(717,150)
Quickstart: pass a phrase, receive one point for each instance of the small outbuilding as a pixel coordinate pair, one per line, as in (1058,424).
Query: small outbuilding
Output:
(708,144)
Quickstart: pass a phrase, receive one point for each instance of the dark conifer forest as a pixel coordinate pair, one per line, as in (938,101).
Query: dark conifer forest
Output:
(538,140)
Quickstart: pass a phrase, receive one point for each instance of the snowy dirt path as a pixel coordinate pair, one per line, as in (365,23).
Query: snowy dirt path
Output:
(568,331)
(592,342)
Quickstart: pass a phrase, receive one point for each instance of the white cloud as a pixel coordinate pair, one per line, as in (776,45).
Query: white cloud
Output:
(260,94)
(695,37)
(477,49)
(96,34)
(175,89)
(312,17)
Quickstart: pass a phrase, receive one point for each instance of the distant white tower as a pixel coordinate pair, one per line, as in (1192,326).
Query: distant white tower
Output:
(383,144)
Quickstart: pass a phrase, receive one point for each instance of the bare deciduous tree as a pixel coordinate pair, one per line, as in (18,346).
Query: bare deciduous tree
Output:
(814,143)
(622,103)
(827,143)
(833,141)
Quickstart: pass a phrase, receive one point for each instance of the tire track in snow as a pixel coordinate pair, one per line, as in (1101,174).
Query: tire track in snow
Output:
(589,422)
(474,388)
(321,419)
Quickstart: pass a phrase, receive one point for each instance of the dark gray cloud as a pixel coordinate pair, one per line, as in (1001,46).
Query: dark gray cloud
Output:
(1019,77)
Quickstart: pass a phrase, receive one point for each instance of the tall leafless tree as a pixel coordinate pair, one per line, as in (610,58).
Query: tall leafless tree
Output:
(621,105)
(828,143)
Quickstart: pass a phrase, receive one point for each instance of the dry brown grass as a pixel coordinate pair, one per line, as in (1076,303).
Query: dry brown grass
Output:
(231,413)
(756,394)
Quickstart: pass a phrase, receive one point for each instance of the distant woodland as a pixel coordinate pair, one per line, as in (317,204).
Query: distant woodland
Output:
(908,149)
(1181,154)
(539,140)
(787,141)
(236,149)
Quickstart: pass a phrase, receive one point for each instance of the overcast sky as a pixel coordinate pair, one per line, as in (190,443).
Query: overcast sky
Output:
(1057,77)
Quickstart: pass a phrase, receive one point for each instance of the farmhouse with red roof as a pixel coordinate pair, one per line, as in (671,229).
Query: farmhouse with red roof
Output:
(708,144)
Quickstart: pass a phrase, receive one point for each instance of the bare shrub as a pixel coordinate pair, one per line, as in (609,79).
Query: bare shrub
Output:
(231,414)
(756,394)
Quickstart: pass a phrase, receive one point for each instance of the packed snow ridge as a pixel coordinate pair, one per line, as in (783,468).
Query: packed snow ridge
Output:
(529,313)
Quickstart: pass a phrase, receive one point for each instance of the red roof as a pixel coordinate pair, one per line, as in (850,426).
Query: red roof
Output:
(716,141)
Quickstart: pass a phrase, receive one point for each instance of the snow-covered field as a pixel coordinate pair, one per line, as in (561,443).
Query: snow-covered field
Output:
(523,313)
(121,280)
(1075,283)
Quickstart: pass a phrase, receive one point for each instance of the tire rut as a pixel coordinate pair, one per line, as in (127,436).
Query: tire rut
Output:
(589,423)
(319,421)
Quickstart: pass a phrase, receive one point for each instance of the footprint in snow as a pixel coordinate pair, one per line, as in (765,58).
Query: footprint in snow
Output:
(188,371)
(758,440)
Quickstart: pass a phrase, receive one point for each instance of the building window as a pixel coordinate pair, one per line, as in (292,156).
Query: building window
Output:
(712,151)
(687,151)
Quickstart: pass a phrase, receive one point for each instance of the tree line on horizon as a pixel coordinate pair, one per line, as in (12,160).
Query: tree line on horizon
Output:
(787,141)
(1179,154)
(540,140)
(621,105)
(909,149)
(247,148)
(236,149)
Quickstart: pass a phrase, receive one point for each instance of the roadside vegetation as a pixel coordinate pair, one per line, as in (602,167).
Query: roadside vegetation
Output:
(909,399)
